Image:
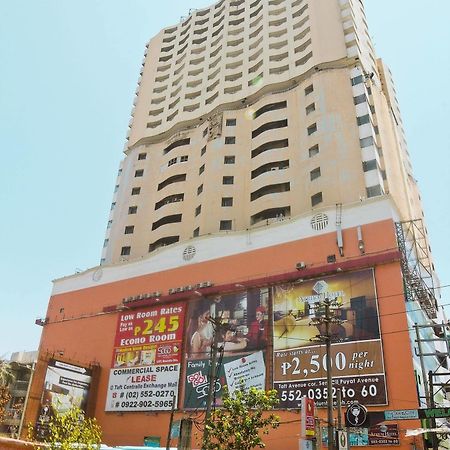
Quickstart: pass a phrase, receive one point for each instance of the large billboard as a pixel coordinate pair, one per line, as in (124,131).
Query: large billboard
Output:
(66,385)
(145,367)
(243,341)
(299,364)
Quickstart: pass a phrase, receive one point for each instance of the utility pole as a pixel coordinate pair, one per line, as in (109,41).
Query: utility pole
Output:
(219,330)
(169,433)
(434,438)
(327,318)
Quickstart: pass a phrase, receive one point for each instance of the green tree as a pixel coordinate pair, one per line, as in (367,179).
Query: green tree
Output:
(69,428)
(238,425)
(6,378)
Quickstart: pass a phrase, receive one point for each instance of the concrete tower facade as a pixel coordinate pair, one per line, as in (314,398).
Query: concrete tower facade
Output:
(248,113)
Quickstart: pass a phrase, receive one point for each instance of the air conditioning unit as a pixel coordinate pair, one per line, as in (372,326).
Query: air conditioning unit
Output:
(300,265)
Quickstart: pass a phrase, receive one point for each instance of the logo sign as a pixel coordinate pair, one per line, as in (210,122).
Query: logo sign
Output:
(356,414)
(384,435)
(401,414)
(342,440)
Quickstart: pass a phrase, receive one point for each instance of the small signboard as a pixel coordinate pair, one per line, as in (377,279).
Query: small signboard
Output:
(381,435)
(401,414)
(152,441)
(343,440)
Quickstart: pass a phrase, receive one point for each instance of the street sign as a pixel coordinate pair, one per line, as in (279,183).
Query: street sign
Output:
(401,414)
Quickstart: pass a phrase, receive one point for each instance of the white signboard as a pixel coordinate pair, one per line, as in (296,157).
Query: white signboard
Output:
(143,388)
(248,371)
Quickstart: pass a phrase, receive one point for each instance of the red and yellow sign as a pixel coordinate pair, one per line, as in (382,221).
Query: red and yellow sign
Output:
(149,336)
(146,359)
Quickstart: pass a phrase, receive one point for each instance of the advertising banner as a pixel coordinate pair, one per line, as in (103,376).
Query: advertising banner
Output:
(146,360)
(357,357)
(247,371)
(66,385)
(243,341)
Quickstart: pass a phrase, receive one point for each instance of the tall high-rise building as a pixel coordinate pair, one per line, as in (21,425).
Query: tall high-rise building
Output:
(266,171)
(249,112)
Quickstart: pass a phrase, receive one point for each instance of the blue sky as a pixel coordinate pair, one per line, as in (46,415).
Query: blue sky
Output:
(68,74)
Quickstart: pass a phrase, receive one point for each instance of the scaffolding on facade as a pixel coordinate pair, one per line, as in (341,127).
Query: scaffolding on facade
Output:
(417,268)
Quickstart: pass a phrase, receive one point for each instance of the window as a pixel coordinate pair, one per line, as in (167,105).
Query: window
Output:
(229,159)
(176,144)
(136,191)
(109,225)
(228,180)
(366,142)
(196,232)
(230,122)
(270,189)
(132,210)
(119,172)
(309,89)
(105,243)
(113,205)
(272,145)
(225,225)
(373,191)
(139,173)
(357,80)
(310,108)
(200,189)
(116,188)
(203,151)
(227,201)
(198,210)
(201,170)
(205,132)
(174,179)
(125,251)
(230,140)
(269,126)
(312,129)
(313,151)
(142,156)
(369,165)
(314,173)
(359,99)
(270,107)
(172,162)
(184,158)
(316,199)
(363,119)
(129,229)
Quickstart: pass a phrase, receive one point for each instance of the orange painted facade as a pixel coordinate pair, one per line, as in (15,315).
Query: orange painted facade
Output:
(81,325)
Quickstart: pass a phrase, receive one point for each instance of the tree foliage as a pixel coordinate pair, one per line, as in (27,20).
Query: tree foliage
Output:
(242,420)
(6,378)
(69,428)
